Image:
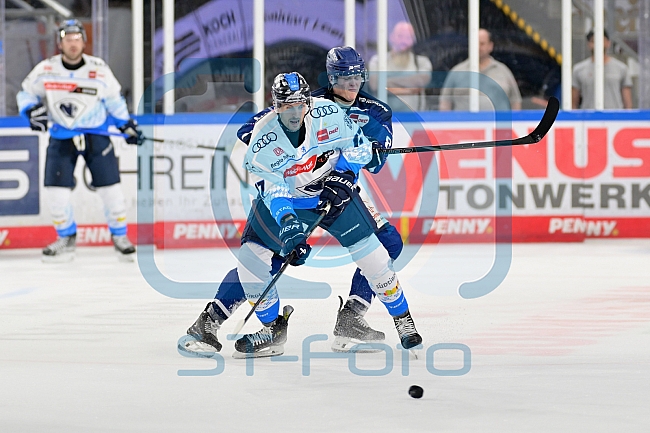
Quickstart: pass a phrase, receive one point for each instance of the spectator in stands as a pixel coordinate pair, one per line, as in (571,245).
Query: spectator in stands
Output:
(618,81)
(404,88)
(455,95)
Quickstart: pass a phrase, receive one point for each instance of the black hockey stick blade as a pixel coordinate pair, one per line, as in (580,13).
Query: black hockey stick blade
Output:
(277,276)
(550,114)
(536,136)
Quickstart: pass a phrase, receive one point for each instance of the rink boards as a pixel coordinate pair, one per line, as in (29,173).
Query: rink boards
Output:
(588,178)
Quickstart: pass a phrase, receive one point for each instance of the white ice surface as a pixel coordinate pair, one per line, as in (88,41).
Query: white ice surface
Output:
(561,345)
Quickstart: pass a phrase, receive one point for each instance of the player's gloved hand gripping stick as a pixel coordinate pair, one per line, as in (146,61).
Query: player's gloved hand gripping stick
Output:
(290,258)
(132,133)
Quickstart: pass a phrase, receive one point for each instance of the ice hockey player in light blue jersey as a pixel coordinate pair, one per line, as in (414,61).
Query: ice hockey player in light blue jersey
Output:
(308,153)
(346,75)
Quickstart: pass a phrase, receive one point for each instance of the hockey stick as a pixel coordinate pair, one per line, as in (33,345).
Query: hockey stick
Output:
(155,140)
(534,137)
(286,263)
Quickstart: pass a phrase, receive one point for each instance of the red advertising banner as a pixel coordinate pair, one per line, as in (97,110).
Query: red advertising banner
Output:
(585,179)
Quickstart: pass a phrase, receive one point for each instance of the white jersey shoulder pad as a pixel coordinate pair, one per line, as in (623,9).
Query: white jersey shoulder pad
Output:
(94,61)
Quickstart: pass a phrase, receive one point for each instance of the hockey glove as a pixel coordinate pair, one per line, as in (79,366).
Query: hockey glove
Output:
(294,240)
(134,135)
(38,117)
(378,158)
(337,190)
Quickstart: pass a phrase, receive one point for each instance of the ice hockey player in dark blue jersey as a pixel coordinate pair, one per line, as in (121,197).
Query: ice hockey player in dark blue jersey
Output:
(346,75)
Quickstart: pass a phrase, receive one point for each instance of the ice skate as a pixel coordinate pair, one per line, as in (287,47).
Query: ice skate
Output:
(123,248)
(352,331)
(268,341)
(408,335)
(60,251)
(202,336)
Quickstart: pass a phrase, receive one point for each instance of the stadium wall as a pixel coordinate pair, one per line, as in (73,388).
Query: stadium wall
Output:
(589,178)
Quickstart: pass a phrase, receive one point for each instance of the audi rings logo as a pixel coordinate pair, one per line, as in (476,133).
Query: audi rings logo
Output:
(318,112)
(263,141)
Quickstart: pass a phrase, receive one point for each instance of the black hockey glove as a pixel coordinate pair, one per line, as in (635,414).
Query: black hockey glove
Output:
(134,135)
(294,240)
(337,190)
(38,117)
(378,158)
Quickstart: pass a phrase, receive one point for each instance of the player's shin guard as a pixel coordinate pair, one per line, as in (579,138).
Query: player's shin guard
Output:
(58,200)
(114,208)
(115,211)
(254,269)
(376,266)
(230,295)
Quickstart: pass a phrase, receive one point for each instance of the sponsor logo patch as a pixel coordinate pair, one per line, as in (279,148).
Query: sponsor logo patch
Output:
(360,119)
(329,133)
(301,168)
(53,85)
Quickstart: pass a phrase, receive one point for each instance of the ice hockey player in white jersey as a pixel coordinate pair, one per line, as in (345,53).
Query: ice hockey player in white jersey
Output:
(308,153)
(82,98)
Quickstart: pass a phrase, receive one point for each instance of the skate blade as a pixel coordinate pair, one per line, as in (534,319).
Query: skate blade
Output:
(415,352)
(345,344)
(125,258)
(271,351)
(59,258)
(191,347)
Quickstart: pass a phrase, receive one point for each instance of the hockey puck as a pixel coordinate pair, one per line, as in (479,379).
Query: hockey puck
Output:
(416,391)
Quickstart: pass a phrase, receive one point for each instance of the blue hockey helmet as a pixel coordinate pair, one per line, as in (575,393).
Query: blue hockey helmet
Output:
(344,61)
(290,88)
(71,26)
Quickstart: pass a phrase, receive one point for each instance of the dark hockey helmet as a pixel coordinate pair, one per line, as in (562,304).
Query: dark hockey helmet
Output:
(71,26)
(344,61)
(290,88)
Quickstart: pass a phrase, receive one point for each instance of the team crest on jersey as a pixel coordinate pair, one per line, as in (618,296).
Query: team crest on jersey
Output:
(360,119)
(68,108)
(278,151)
(329,133)
(71,110)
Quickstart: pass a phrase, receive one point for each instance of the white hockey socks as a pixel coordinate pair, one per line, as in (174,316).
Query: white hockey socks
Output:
(58,199)
(376,265)
(254,267)
(114,208)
